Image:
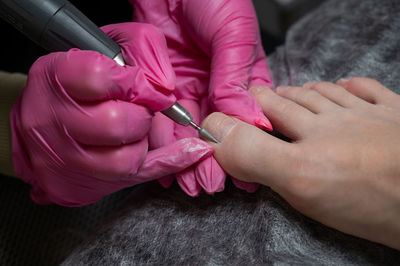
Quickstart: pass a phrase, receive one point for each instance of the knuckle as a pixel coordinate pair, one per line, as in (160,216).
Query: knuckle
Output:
(122,128)
(93,70)
(83,72)
(114,123)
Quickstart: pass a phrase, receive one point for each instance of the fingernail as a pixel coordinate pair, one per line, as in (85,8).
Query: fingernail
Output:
(309,84)
(219,125)
(257,89)
(263,124)
(342,81)
(282,89)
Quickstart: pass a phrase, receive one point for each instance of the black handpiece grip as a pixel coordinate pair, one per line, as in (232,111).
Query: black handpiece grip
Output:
(57,25)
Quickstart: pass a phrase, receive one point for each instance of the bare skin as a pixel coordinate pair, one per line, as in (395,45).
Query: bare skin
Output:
(342,167)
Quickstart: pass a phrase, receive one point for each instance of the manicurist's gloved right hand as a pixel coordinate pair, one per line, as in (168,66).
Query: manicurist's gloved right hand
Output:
(79,128)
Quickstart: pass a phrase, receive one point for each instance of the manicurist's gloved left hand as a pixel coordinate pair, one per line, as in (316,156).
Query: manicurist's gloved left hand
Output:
(80,126)
(216,53)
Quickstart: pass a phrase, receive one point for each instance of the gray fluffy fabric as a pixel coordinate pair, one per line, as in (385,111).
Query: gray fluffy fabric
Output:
(166,227)
(342,38)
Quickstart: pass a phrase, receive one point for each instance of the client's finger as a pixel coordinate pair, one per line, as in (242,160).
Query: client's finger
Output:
(370,90)
(334,93)
(286,116)
(250,154)
(307,98)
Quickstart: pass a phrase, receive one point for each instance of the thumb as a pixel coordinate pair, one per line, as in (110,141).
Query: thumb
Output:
(88,76)
(144,46)
(247,153)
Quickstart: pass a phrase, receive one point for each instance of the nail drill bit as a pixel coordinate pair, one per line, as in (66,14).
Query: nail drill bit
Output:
(178,113)
(203,132)
(182,116)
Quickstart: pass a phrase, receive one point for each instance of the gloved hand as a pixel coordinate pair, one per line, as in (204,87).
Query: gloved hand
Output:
(79,128)
(216,52)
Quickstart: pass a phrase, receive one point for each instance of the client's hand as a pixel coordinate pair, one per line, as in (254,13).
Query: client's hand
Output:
(79,128)
(342,167)
(216,52)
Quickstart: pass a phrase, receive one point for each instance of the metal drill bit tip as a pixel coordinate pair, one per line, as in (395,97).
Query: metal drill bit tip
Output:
(204,132)
(207,135)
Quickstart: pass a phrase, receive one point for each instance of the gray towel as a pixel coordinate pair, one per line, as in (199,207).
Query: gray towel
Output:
(342,38)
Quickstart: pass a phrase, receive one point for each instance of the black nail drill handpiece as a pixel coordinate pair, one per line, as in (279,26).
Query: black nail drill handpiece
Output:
(56,25)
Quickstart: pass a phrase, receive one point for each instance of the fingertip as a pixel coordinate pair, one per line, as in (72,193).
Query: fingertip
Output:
(210,175)
(263,123)
(362,81)
(358,81)
(342,82)
(369,90)
(187,181)
(262,92)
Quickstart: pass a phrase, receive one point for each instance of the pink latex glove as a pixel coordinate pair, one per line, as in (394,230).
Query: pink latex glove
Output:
(216,52)
(79,128)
